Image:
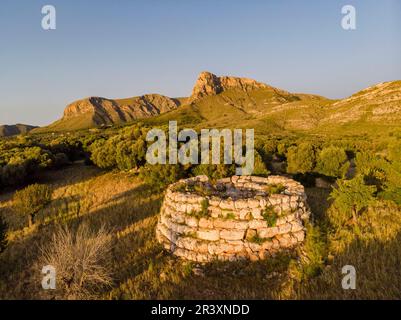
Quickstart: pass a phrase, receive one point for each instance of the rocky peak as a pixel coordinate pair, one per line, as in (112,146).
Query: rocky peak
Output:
(210,84)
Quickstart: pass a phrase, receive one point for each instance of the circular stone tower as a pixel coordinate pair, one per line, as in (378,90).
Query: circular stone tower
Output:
(242,217)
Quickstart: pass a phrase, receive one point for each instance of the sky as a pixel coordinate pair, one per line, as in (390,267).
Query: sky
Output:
(125,48)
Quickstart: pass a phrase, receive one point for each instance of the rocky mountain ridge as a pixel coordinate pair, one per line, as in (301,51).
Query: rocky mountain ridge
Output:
(11,130)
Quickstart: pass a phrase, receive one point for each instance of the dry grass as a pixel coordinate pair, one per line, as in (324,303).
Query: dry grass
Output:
(81,259)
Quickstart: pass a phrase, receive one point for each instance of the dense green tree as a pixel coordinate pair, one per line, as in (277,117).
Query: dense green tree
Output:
(104,154)
(301,158)
(351,196)
(333,162)
(161,175)
(30,200)
(260,168)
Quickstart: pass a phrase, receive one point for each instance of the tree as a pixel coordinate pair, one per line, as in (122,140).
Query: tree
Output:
(333,162)
(259,166)
(351,196)
(161,175)
(81,260)
(30,200)
(103,153)
(301,159)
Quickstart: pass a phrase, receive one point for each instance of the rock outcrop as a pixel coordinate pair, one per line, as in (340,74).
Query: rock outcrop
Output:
(11,130)
(210,84)
(240,218)
(107,111)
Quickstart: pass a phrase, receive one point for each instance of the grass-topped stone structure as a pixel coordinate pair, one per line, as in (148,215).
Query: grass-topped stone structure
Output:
(242,217)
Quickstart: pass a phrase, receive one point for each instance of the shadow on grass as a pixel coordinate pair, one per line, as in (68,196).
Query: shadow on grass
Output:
(377,264)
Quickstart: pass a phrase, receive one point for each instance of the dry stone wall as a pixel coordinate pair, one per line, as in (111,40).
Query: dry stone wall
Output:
(242,217)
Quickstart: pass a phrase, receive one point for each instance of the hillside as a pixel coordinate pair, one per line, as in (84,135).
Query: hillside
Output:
(97,111)
(11,130)
(223,101)
(272,110)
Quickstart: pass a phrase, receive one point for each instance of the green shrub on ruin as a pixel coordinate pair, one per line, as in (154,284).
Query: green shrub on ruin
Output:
(270,216)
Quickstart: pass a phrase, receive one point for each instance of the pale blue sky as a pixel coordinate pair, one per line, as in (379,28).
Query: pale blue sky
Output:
(124,48)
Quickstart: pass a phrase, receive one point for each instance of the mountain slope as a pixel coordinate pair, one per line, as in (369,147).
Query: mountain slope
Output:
(379,103)
(11,130)
(241,102)
(97,111)
(230,101)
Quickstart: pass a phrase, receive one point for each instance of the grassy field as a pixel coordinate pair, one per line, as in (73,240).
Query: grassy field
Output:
(143,270)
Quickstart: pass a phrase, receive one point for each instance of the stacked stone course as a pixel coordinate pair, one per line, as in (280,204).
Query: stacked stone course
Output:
(231,224)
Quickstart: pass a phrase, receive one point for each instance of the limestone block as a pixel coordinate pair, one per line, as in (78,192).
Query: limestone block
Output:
(227,204)
(257,224)
(300,235)
(214,212)
(255,247)
(241,204)
(205,223)
(214,201)
(245,214)
(296,226)
(191,221)
(256,213)
(285,228)
(232,234)
(253,203)
(208,234)
(267,232)
(190,208)
(263,203)
(177,217)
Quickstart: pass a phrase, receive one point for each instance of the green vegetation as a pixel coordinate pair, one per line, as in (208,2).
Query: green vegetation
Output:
(205,207)
(351,196)
(203,212)
(332,162)
(256,239)
(30,200)
(270,216)
(275,188)
(301,158)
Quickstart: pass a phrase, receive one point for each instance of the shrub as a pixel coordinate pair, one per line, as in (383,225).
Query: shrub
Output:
(301,159)
(259,166)
(315,252)
(333,162)
(126,150)
(30,200)
(160,176)
(270,216)
(351,196)
(275,188)
(214,171)
(103,154)
(205,207)
(81,260)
